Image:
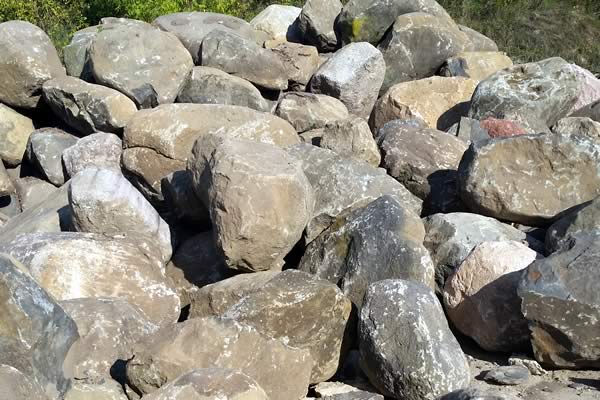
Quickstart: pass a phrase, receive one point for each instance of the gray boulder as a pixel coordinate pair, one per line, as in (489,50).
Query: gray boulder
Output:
(478,41)
(308,111)
(508,375)
(277,22)
(44,152)
(76,55)
(584,218)
(15,130)
(351,138)
(300,63)
(32,191)
(316,23)
(583,126)
(98,150)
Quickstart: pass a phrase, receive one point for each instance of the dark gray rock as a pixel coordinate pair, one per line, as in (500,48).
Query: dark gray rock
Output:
(477,394)
(181,199)
(583,218)
(76,55)
(44,152)
(508,375)
(316,23)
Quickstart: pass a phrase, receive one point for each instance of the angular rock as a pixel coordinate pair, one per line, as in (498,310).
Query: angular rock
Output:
(76,54)
(584,218)
(148,65)
(28,59)
(316,23)
(407,349)
(481,296)
(299,61)
(277,21)
(477,65)
(589,87)
(15,130)
(98,150)
(591,111)
(578,126)
(354,76)
(529,179)
(283,372)
(32,191)
(86,107)
(477,394)
(308,111)
(181,200)
(351,138)
(17,386)
(44,152)
(507,375)
(6,184)
(478,41)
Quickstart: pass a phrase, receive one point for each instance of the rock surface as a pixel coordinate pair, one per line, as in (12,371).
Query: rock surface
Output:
(300,62)
(277,21)
(15,130)
(32,191)
(98,150)
(351,138)
(578,126)
(477,65)
(44,151)
(316,23)
(308,111)
(581,219)
(17,386)
(508,375)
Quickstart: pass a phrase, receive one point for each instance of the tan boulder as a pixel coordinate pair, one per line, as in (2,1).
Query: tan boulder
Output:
(17,386)
(477,65)
(351,138)
(15,130)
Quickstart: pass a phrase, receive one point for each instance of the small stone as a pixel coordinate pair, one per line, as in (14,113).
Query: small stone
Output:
(523,361)
(509,375)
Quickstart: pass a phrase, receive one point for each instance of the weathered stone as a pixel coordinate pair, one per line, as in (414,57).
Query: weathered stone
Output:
(299,61)
(208,85)
(499,128)
(351,138)
(15,130)
(243,58)
(440,102)
(524,361)
(561,301)
(407,349)
(182,201)
(316,23)
(507,375)
(9,205)
(83,265)
(578,126)
(417,46)
(17,386)
(583,218)
(478,394)
(477,65)
(343,185)
(98,150)
(277,21)
(477,40)
(86,107)
(591,111)
(354,76)
(536,94)
(308,111)
(27,60)
(44,152)
(192,27)
(589,87)
(258,197)
(481,296)
(103,201)
(32,191)
(283,372)
(529,179)
(341,391)
(76,54)
(6,184)
(470,130)
(36,333)
(107,390)
(380,241)
(148,65)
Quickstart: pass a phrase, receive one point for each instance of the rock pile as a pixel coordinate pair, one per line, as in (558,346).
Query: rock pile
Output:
(330,201)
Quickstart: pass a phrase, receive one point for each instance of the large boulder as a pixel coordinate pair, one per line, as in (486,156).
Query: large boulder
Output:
(316,23)
(308,111)
(351,138)
(277,21)
(27,60)
(32,191)
(282,371)
(18,386)
(481,296)
(36,332)
(44,152)
(86,107)
(300,63)
(583,218)
(258,197)
(529,179)
(407,349)
(561,301)
(353,75)
(98,150)
(380,241)
(535,94)
(148,65)
(76,55)
(15,130)
(477,65)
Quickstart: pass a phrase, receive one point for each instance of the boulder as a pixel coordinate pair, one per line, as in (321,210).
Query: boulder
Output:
(208,85)
(27,59)
(15,130)
(529,179)
(536,94)
(342,185)
(98,150)
(88,108)
(477,65)
(308,111)
(351,138)
(589,87)
(591,111)
(561,301)
(192,27)
(300,63)
(44,151)
(507,375)
(316,23)
(477,40)
(580,219)
(354,76)
(76,55)
(440,102)
(407,349)
(380,241)
(36,332)
(474,393)
(481,296)
(84,265)
(258,197)
(417,46)
(243,58)
(6,184)
(146,64)
(283,372)
(277,21)
(32,191)
(583,126)
(18,386)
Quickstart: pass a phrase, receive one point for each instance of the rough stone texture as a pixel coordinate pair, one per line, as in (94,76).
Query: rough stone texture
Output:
(407,349)
(98,150)
(535,94)
(591,111)
(425,161)
(83,265)
(283,372)
(36,333)
(561,301)
(583,218)
(192,27)
(351,138)
(481,296)
(418,45)
(108,329)
(27,60)
(342,185)
(470,130)
(478,41)
(76,54)
(380,241)
(478,394)
(308,111)
(578,126)
(107,390)
(277,21)
(499,128)
(440,102)
(44,152)
(300,63)
(17,386)
(477,65)
(368,20)
(496,179)
(103,201)
(208,85)
(6,184)
(507,375)
(86,107)
(589,87)
(524,361)
(148,65)
(245,59)
(316,23)
(32,191)
(181,200)
(258,197)
(14,134)
(354,76)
